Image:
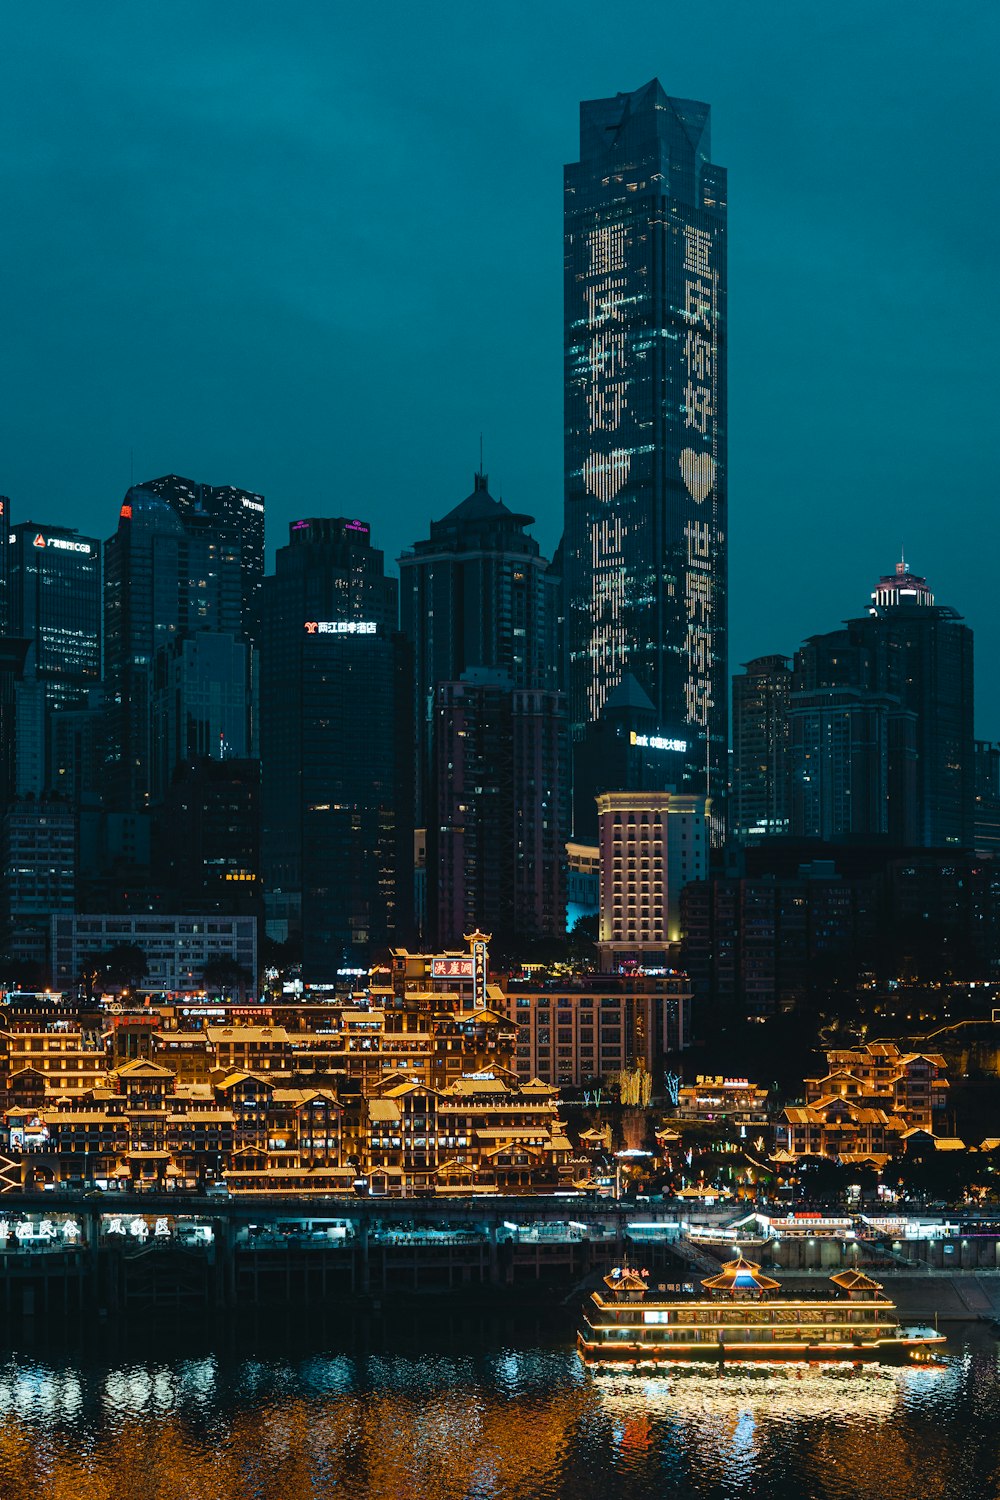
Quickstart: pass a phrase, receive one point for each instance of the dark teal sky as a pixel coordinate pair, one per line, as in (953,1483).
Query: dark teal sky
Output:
(314,249)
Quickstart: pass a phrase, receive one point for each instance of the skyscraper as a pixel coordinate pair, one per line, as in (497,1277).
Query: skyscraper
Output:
(645,422)
(499,812)
(476,593)
(54,577)
(932,649)
(759,802)
(336,748)
(623,751)
(237,513)
(881,723)
(174,567)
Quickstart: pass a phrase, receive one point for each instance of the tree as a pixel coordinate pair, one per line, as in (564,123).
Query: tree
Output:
(226,975)
(124,965)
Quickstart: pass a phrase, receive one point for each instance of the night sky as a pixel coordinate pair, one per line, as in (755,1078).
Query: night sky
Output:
(315,249)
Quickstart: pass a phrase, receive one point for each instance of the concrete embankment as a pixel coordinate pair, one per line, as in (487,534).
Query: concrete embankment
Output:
(925,1295)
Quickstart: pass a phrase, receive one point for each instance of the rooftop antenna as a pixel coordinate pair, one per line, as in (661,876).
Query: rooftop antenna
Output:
(480,453)
(131,467)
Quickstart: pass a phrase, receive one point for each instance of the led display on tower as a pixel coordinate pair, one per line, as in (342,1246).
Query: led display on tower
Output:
(645,420)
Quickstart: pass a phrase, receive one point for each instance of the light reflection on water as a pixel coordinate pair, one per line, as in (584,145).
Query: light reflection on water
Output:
(499,1416)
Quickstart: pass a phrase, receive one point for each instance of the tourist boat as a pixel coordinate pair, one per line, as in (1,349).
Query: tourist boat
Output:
(741,1315)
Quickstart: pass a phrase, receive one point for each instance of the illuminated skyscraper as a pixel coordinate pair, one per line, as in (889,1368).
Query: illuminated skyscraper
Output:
(55,603)
(645,422)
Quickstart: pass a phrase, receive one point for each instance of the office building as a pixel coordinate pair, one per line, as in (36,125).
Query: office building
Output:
(200,704)
(6,523)
(499,812)
(206,838)
(651,846)
(476,593)
(933,650)
(852,748)
(54,577)
(39,873)
(177,948)
(336,714)
(173,568)
(625,749)
(645,539)
(881,724)
(759,802)
(236,514)
(987,815)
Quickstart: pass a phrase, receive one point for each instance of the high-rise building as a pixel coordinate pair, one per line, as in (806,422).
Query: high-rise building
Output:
(206,845)
(852,744)
(237,513)
(39,873)
(987,820)
(476,593)
(200,703)
(174,567)
(54,577)
(624,750)
(758,805)
(645,540)
(336,738)
(932,648)
(499,812)
(6,522)
(652,845)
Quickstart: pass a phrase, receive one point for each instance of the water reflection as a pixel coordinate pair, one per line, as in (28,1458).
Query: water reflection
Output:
(500,1418)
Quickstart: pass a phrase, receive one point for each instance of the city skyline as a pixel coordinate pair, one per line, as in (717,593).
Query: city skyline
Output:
(835,423)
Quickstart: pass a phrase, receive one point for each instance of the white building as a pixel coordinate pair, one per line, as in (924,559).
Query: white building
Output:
(176,948)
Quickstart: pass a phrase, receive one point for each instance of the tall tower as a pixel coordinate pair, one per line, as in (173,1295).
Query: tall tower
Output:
(645,422)
(54,601)
(336,714)
(173,567)
(760,799)
(931,649)
(476,593)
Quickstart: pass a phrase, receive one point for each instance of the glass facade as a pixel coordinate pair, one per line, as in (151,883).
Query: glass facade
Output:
(174,567)
(645,421)
(55,603)
(336,748)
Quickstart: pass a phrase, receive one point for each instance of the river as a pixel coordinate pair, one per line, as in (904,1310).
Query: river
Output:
(427,1401)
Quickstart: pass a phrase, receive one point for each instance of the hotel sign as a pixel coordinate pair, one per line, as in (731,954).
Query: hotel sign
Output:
(341,627)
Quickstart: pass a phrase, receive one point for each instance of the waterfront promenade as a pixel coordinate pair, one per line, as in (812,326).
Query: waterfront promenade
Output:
(117,1251)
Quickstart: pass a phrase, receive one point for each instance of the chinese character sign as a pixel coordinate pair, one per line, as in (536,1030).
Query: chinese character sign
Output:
(699,377)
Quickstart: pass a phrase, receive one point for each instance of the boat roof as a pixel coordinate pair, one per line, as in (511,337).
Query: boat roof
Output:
(740,1275)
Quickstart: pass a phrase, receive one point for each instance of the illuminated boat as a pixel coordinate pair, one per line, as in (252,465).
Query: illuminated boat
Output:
(740,1315)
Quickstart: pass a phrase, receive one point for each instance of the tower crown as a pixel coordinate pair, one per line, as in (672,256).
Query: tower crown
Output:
(900,588)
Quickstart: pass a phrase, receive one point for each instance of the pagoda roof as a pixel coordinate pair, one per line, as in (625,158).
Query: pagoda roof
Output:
(628,1281)
(856,1281)
(740,1275)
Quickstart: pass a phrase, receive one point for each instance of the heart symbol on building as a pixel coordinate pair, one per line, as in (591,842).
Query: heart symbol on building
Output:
(698,473)
(604,475)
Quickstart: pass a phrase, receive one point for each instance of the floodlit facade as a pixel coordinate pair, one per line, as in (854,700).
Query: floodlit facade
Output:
(651,844)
